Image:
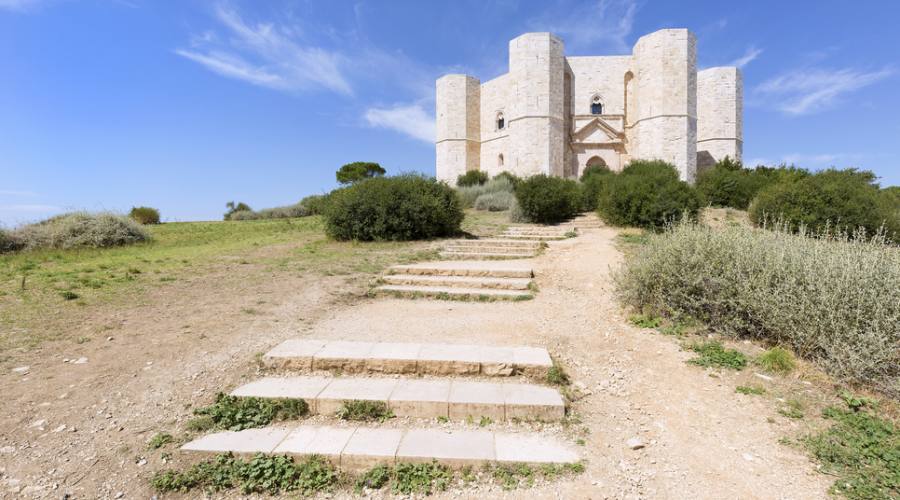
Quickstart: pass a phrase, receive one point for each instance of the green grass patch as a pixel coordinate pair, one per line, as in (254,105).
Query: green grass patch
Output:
(236,413)
(260,474)
(713,354)
(159,440)
(556,375)
(792,408)
(365,411)
(645,321)
(776,360)
(862,450)
(750,389)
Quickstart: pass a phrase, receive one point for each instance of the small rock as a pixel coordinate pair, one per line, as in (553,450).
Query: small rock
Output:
(764,377)
(635,443)
(7,450)
(120,494)
(21,370)
(60,428)
(80,361)
(748,457)
(39,423)
(109,339)
(142,462)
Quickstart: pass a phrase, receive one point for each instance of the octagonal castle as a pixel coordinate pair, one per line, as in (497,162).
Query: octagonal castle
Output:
(556,115)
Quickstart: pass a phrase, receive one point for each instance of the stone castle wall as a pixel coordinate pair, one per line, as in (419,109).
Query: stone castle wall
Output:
(655,106)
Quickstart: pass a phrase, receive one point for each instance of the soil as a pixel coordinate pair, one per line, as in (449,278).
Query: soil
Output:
(81,428)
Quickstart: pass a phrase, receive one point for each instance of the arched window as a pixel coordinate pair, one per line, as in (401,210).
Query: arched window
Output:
(500,160)
(501,123)
(595,161)
(596,105)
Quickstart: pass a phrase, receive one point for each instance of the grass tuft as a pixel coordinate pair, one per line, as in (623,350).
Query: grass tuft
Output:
(159,440)
(777,360)
(645,321)
(752,389)
(713,354)
(365,411)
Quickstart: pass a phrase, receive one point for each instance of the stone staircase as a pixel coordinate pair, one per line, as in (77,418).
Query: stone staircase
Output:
(493,248)
(586,221)
(480,280)
(357,447)
(537,233)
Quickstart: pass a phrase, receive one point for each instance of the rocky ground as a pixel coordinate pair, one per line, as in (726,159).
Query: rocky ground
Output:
(77,417)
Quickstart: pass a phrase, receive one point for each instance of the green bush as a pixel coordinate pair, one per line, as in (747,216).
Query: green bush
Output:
(80,229)
(513,179)
(405,207)
(844,198)
(516,214)
(468,194)
(834,301)
(472,178)
(495,202)
(592,181)
(235,207)
(547,200)
(728,184)
(9,242)
(315,204)
(647,194)
(144,215)
(358,171)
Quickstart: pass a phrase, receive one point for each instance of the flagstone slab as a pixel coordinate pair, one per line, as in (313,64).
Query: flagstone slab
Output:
(421,398)
(527,448)
(454,448)
(262,440)
(294,354)
(369,447)
(354,389)
(476,400)
(347,356)
(328,442)
(532,402)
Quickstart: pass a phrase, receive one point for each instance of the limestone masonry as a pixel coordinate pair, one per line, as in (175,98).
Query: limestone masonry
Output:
(556,115)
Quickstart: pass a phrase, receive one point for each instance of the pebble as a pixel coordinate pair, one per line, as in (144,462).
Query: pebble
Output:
(80,361)
(764,377)
(635,443)
(748,457)
(39,423)
(7,450)
(21,369)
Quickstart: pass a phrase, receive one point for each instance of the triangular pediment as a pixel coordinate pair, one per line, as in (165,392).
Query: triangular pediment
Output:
(597,131)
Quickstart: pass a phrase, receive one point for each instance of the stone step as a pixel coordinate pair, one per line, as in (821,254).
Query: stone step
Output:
(455,399)
(399,357)
(456,254)
(454,292)
(505,250)
(536,237)
(494,269)
(461,281)
(495,242)
(356,448)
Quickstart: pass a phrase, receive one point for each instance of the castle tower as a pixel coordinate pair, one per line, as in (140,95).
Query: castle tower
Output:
(536,114)
(457,119)
(665,86)
(719,115)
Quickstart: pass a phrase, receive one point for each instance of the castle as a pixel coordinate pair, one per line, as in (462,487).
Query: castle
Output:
(557,115)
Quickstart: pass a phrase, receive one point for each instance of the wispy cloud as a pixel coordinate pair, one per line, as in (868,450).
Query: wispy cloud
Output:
(19,5)
(409,119)
(267,55)
(807,90)
(15,192)
(810,160)
(749,56)
(599,25)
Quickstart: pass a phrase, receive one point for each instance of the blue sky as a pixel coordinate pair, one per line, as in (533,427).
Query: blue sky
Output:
(187,104)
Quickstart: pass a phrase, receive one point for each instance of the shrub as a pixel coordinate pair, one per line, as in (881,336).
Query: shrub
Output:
(365,411)
(495,202)
(472,178)
(547,200)
(468,194)
(236,413)
(777,360)
(728,184)
(713,354)
(244,215)
(405,207)
(592,181)
(516,214)
(9,242)
(847,198)
(833,300)
(594,170)
(144,215)
(647,194)
(235,207)
(80,229)
(357,171)
(314,204)
(509,176)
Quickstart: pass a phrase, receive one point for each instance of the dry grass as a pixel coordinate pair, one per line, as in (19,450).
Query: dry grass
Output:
(833,299)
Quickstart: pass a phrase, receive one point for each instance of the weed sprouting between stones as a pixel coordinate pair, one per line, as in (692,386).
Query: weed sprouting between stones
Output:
(235,413)
(366,411)
(261,474)
(712,354)
(556,375)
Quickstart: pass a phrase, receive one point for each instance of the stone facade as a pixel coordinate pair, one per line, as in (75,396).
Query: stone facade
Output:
(556,115)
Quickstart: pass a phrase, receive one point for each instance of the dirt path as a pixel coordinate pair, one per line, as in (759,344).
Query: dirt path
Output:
(702,440)
(183,344)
